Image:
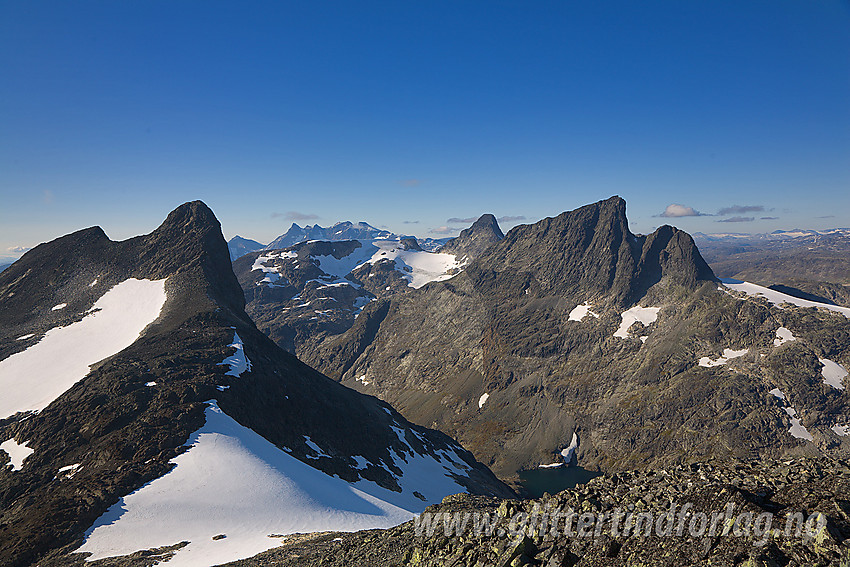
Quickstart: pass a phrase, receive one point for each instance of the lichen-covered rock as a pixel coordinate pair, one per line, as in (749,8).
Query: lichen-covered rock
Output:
(742,494)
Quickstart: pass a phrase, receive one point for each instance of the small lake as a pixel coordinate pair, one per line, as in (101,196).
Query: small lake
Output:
(554,480)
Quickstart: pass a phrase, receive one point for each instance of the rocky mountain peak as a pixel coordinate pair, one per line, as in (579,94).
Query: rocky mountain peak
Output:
(487,223)
(188,215)
(590,252)
(472,241)
(190,239)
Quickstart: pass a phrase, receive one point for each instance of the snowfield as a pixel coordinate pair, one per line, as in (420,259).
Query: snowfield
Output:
(778,298)
(424,267)
(31,379)
(235,483)
(416,266)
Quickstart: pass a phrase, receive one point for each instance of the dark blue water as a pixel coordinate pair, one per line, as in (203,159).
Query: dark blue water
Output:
(554,480)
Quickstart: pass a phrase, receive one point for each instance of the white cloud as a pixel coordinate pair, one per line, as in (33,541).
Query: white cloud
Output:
(675,210)
(18,249)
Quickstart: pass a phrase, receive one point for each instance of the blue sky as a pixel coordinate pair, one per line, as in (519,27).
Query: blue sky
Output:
(406,114)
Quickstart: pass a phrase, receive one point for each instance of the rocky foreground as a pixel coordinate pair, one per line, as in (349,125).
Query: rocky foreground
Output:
(782,513)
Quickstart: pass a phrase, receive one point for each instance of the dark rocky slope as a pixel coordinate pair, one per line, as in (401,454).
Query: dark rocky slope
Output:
(122,432)
(507,327)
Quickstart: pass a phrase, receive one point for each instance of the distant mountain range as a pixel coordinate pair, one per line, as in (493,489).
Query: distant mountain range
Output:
(806,263)
(338,232)
(777,235)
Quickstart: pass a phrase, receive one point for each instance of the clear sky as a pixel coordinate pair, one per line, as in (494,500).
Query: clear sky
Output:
(406,114)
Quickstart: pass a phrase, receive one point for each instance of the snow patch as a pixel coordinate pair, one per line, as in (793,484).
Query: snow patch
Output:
(58,307)
(643,315)
(728,354)
(318,450)
(362,379)
(570,450)
(25,337)
(777,393)
(69,471)
(842,430)
(783,336)
(579,312)
(483,399)
(797,430)
(360,303)
(150,384)
(272,273)
(238,362)
(779,298)
(115,321)
(17,452)
(833,373)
